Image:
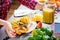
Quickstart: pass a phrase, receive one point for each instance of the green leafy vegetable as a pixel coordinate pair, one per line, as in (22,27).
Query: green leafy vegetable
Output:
(42,34)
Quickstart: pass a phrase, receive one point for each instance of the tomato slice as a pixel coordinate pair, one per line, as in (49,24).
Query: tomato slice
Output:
(40,24)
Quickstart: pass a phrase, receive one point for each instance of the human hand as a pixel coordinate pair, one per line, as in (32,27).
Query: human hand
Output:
(39,6)
(11,33)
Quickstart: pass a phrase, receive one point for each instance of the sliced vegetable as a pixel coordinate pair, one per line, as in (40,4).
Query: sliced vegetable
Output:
(34,32)
(40,24)
(20,23)
(18,32)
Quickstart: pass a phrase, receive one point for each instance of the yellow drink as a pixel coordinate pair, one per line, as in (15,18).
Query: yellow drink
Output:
(48,15)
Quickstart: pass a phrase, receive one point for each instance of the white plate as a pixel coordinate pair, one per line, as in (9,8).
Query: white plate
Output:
(20,12)
(32,25)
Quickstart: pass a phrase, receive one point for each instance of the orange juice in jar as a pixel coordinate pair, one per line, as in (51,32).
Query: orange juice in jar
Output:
(48,15)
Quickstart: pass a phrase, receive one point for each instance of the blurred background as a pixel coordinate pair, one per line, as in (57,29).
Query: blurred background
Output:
(14,6)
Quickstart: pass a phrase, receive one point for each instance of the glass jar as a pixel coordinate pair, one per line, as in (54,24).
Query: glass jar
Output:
(48,15)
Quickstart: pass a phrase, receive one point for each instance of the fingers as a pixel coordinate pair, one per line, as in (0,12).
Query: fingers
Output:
(39,6)
(11,33)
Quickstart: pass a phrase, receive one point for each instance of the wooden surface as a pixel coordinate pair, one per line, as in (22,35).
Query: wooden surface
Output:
(14,6)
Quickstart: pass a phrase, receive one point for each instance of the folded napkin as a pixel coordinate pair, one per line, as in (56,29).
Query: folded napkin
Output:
(18,13)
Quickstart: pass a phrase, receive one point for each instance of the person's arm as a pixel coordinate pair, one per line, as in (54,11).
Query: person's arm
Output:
(32,4)
(2,22)
(11,33)
(5,8)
